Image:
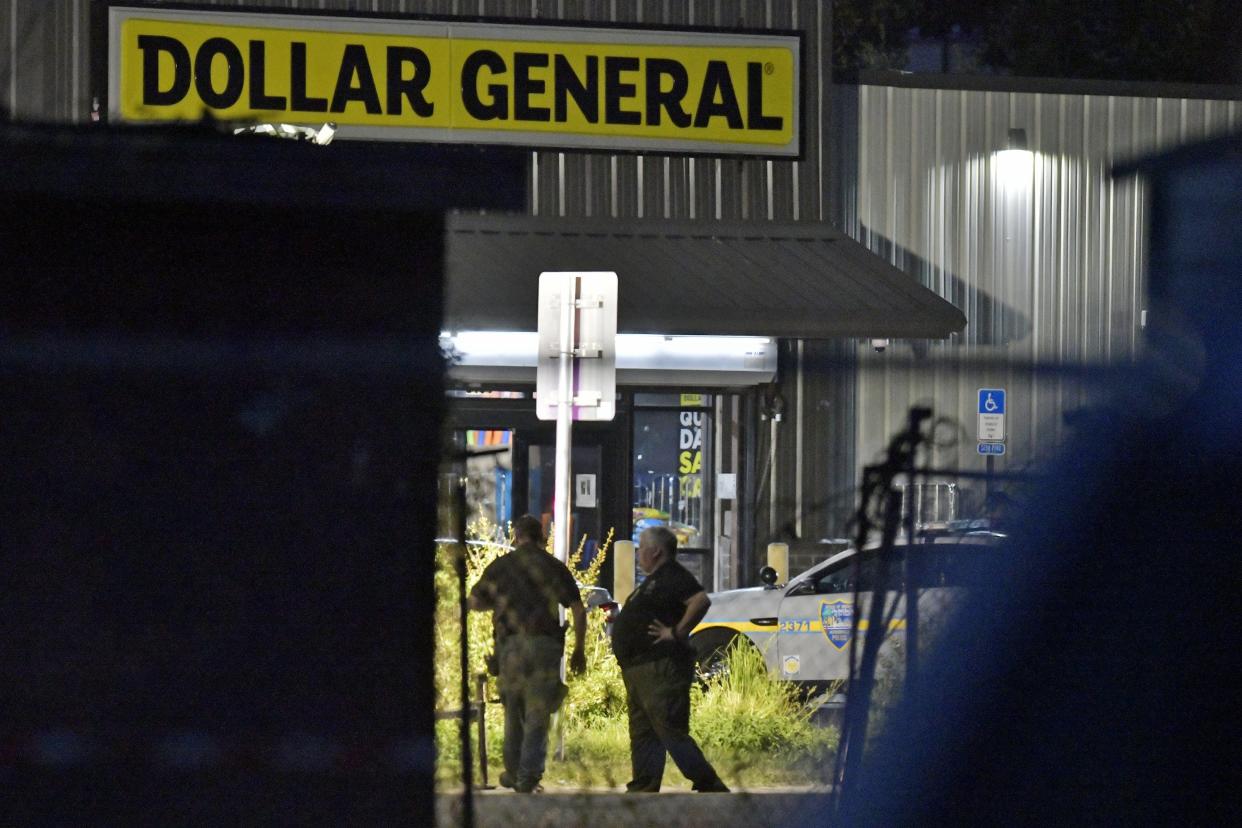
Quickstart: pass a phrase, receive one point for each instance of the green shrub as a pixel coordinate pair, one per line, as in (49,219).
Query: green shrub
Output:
(753,727)
(597,696)
(757,724)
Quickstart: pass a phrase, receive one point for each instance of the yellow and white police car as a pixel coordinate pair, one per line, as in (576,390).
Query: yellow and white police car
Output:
(804,628)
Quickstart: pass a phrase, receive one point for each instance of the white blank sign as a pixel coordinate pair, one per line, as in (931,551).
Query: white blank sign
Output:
(584,491)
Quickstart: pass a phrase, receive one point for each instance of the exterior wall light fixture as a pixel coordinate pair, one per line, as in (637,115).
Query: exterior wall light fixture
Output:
(1015,163)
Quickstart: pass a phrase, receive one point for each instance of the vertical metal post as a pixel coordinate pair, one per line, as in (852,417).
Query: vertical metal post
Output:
(748,488)
(862,675)
(622,569)
(480,683)
(914,558)
(773,521)
(467,771)
(564,452)
(564,425)
(913,568)
(798,444)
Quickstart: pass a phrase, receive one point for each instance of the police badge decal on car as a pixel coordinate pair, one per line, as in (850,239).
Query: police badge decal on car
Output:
(838,621)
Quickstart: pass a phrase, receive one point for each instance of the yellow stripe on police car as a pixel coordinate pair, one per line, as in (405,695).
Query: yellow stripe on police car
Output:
(570,82)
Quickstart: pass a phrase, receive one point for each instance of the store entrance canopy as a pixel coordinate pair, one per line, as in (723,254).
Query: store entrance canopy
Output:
(758,278)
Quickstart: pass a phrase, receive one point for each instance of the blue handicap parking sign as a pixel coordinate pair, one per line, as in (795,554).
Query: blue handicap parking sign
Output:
(991,400)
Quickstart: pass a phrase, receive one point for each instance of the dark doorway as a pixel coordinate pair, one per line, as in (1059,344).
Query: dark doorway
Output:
(535,462)
(600,468)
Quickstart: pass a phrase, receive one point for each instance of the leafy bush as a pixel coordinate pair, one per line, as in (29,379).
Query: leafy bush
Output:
(756,722)
(595,696)
(754,728)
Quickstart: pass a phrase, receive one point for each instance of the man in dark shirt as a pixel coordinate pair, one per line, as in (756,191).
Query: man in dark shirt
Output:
(523,589)
(657,665)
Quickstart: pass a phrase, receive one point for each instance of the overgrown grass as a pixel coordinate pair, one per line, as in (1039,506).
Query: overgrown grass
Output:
(754,728)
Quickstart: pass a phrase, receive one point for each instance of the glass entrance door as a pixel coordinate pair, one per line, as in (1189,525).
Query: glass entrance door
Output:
(586,503)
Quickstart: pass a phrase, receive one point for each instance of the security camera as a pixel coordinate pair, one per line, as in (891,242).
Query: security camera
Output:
(325,134)
(879,345)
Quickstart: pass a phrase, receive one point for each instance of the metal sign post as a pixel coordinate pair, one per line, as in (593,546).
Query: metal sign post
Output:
(564,422)
(576,379)
(991,433)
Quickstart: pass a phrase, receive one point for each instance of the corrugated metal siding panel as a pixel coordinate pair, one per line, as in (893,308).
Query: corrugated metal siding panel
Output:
(659,186)
(8,57)
(1050,273)
(43,60)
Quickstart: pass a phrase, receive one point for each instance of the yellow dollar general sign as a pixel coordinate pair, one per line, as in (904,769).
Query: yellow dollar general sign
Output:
(465,82)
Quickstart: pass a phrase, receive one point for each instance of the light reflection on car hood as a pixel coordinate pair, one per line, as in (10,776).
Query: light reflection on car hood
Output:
(740,604)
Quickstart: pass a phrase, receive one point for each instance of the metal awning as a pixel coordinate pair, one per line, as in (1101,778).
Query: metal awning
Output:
(758,278)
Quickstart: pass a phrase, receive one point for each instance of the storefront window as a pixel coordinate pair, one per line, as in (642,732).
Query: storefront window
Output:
(485,458)
(672,400)
(671,457)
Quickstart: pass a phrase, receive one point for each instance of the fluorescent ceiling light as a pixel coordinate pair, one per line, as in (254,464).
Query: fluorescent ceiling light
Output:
(640,346)
(641,359)
(522,347)
(483,344)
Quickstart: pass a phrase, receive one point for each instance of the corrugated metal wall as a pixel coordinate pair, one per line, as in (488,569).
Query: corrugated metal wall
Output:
(43,59)
(1046,260)
(654,186)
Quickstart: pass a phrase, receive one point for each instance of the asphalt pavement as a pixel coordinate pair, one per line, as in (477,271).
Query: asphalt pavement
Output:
(606,808)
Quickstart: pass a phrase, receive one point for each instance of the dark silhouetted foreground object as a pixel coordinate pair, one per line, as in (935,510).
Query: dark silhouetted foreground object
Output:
(220,388)
(1092,679)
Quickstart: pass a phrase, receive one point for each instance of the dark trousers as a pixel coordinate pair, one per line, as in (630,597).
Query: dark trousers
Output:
(531,690)
(658,693)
